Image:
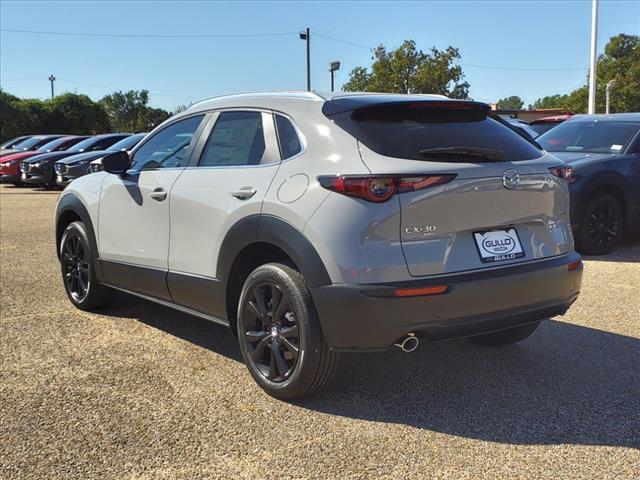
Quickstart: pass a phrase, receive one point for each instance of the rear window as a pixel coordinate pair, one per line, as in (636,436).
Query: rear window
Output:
(589,136)
(287,138)
(405,130)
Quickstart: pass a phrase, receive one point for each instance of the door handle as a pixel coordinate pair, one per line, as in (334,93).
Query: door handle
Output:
(245,193)
(158,194)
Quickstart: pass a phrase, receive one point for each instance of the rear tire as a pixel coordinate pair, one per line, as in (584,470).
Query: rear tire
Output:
(506,337)
(279,334)
(600,226)
(78,273)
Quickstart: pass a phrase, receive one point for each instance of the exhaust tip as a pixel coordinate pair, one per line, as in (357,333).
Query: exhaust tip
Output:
(409,344)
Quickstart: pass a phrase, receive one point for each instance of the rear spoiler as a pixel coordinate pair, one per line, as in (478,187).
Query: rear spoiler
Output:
(359,103)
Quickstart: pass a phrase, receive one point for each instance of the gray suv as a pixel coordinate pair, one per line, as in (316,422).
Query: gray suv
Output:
(317,224)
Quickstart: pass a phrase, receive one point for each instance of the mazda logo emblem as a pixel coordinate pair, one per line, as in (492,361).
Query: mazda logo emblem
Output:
(510,179)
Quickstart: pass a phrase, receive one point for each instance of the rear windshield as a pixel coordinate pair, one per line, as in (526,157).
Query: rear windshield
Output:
(409,130)
(589,136)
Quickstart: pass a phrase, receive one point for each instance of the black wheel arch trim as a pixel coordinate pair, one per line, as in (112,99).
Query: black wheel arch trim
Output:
(275,231)
(72,203)
(606,180)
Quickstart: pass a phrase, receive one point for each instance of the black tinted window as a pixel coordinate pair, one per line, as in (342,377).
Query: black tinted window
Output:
(589,136)
(405,130)
(237,139)
(168,147)
(287,138)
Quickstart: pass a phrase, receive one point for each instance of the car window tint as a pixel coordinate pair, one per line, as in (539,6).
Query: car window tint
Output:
(287,138)
(168,147)
(589,136)
(237,139)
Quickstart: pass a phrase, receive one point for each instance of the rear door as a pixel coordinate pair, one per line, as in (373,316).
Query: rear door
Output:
(133,219)
(230,174)
(500,203)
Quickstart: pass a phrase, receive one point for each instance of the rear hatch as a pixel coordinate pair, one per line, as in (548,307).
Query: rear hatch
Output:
(502,202)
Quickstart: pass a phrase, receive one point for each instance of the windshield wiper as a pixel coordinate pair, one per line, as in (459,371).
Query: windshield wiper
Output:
(490,154)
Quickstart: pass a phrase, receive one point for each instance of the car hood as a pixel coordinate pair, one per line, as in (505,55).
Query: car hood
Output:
(49,157)
(576,159)
(84,157)
(17,156)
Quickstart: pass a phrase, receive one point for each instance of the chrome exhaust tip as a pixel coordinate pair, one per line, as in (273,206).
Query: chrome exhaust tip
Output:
(409,343)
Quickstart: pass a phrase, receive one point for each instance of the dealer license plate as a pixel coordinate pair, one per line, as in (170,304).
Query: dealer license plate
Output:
(498,245)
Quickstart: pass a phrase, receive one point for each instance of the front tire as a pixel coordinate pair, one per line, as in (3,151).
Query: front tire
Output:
(279,333)
(506,337)
(600,226)
(78,273)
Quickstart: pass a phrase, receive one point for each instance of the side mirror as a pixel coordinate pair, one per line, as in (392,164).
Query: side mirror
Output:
(116,163)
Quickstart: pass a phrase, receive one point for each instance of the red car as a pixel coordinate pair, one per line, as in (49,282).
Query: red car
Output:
(543,124)
(10,163)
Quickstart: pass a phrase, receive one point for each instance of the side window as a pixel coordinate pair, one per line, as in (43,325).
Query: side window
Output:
(167,148)
(287,138)
(237,138)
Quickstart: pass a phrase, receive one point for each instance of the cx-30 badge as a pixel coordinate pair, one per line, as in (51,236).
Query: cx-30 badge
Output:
(510,179)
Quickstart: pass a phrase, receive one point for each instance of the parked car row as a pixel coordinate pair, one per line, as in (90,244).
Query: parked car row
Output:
(54,160)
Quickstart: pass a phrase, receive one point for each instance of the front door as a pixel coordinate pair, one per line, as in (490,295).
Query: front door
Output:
(133,219)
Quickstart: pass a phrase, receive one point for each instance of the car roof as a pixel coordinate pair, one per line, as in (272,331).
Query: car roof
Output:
(292,97)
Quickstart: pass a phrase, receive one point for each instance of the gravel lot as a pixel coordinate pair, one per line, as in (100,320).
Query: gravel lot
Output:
(141,391)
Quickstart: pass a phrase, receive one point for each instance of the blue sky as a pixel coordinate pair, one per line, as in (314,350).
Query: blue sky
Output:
(524,35)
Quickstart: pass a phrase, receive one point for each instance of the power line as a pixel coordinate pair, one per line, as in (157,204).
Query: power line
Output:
(523,69)
(347,42)
(145,35)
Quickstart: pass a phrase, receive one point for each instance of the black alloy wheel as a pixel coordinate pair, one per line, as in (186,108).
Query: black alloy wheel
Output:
(271,333)
(601,226)
(75,266)
(279,332)
(76,263)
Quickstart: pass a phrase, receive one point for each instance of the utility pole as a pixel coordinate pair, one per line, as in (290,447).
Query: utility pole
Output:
(306,35)
(52,79)
(610,84)
(594,47)
(333,66)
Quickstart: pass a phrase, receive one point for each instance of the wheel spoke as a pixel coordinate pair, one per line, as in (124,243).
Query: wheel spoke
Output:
(290,346)
(259,351)
(281,364)
(261,302)
(82,283)
(290,332)
(255,335)
(256,311)
(273,369)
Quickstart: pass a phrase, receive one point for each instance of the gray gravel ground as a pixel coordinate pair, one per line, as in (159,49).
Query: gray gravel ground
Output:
(141,391)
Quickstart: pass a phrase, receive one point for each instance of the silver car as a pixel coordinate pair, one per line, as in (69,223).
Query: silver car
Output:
(317,224)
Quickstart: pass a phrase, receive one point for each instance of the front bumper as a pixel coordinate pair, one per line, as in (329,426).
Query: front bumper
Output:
(65,174)
(9,177)
(370,317)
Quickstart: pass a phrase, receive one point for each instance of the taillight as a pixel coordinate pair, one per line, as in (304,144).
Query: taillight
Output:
(565,173)
(379,189)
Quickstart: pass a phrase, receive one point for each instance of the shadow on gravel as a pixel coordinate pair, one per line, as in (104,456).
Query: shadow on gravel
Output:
(565,384)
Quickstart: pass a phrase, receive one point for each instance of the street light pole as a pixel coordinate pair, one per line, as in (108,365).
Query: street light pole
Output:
(610,84)
(594,47)
(306,35)
(52,79)
(333,66)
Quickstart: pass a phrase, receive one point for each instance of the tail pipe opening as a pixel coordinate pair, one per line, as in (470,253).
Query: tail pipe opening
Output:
(409,343)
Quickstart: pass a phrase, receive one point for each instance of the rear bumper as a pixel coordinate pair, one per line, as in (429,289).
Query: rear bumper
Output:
(370,317)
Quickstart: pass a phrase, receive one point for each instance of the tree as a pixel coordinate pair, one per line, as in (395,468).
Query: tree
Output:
(620,62)
(125,108)
(149,118)
(513,102)
(75,113)
(409,70)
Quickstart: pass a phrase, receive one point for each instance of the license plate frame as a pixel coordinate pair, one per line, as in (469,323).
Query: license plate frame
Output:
(498,245)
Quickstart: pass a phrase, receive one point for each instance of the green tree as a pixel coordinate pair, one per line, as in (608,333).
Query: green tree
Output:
(75,113)
(409,70)
(513,102)
(125,108)
(620,62)
(149,118)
